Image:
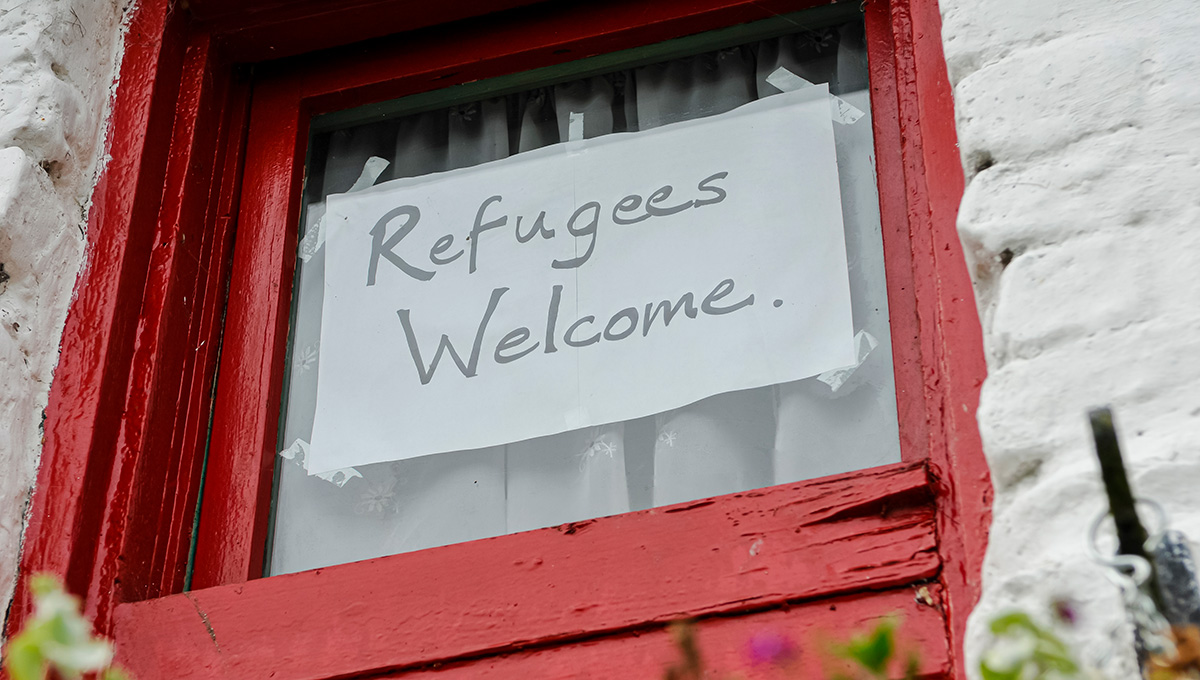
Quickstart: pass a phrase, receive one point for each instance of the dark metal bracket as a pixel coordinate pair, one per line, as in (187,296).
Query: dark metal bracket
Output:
(1172,584)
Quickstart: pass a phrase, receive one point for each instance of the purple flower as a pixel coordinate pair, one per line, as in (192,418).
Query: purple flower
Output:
(1065,611)
(770,648)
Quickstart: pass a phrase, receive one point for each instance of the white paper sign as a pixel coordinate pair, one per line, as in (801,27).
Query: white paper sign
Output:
(583,283)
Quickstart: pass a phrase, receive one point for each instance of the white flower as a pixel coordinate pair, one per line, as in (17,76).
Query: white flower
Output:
(598,447)
(378,497)
(306,358)
(606,448)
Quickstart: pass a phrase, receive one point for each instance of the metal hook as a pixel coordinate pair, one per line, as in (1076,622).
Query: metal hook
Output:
(1134,576)
(1117,561)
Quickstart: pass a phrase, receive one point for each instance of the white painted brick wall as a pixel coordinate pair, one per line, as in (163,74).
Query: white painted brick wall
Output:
(57,64)
(1079,126)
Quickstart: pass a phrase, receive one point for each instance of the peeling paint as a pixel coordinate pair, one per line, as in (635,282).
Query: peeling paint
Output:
(57,65)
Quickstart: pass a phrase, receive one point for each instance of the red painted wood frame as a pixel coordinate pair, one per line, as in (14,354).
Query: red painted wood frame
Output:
(127,422)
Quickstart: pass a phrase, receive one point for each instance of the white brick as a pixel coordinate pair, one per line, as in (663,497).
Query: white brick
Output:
(57,64)
(1091,284)
(1051,95)
(1079,125)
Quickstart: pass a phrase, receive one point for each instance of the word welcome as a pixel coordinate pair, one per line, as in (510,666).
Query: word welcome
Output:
(583,223)
(582,332)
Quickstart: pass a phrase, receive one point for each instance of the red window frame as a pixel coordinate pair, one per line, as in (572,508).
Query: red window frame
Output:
(203,192)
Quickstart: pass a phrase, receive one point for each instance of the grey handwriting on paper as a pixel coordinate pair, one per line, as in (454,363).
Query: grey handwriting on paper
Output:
(566,287)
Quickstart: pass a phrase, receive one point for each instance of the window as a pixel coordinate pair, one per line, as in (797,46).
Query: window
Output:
(207,185)
(724,443)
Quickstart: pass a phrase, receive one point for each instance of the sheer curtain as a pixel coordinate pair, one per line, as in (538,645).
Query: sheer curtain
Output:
(722,444)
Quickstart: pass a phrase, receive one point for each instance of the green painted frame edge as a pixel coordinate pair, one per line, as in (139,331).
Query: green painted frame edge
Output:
(782,24)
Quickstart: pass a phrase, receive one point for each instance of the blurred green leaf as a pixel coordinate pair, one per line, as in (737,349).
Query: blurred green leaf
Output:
(874,650)
(23,661)
(990,673)
(56,636)
(1006,622)
(1023,650)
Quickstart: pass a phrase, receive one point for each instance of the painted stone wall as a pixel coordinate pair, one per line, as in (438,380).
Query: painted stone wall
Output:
(1079,127)
(57,64)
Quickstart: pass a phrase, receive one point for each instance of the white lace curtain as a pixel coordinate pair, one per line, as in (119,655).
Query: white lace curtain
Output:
(726,443)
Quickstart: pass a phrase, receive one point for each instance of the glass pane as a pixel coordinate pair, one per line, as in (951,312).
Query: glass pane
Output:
(836,422)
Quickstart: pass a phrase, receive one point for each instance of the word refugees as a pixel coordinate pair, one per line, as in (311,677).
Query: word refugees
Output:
(583,223)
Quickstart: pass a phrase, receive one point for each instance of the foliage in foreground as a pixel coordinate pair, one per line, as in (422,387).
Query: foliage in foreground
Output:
(1020,649)
(871,654)
(1023,650)
(57,637)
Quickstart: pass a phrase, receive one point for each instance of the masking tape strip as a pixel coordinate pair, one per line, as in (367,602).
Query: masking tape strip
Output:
(843,111)
(840,110)
(575,128)
(864,342)
(786,81)
(371,171)
(315,236)
(297,452)
(340,477)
